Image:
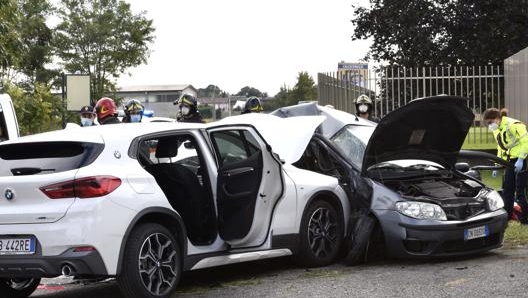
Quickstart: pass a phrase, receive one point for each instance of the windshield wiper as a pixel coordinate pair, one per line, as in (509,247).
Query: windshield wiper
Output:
(29,171)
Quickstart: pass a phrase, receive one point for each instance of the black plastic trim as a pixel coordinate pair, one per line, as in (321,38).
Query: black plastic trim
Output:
(83,263)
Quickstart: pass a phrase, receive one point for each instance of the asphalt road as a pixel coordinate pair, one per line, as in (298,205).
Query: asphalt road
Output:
(500,273)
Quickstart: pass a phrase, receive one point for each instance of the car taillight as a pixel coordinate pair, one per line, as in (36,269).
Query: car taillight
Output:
(88,187)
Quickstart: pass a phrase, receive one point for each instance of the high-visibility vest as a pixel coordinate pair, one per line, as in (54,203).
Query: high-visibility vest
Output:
(512,139)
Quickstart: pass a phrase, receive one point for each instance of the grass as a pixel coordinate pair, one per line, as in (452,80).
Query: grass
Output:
(479,138)
(516,235)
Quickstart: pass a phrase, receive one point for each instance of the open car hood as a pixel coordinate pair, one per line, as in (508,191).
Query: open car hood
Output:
(288,137)
(430,128)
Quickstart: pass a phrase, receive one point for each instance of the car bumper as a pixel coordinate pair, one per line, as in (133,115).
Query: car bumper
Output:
(88,238)
(74,263)
(406,237)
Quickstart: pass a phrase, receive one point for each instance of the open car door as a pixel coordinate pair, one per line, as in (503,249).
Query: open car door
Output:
(249,184)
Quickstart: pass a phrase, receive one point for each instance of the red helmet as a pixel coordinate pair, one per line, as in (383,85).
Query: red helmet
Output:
(105,107)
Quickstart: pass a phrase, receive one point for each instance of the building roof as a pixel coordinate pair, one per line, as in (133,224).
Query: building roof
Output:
(154,88)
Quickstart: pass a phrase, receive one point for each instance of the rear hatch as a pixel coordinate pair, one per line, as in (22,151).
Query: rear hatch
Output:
(28,166)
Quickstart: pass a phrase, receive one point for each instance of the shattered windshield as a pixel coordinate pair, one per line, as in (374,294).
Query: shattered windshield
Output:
(352,140)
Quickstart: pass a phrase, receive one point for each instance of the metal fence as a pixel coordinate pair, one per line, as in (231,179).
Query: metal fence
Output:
(392,87)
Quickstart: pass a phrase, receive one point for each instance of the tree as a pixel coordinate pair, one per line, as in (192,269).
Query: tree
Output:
(37,110)
(281,99)
(36,38)
(102,38)
(304,89)
(212,91)
(10,44)
(436,32)
(250,91)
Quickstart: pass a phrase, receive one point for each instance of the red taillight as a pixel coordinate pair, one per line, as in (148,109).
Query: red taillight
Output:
(84,249)
(88,187)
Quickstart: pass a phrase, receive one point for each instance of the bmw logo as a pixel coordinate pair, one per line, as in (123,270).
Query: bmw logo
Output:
(9,194)
(117,154)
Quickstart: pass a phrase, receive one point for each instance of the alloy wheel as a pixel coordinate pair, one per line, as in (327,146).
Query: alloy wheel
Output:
(322,232)
(158,266)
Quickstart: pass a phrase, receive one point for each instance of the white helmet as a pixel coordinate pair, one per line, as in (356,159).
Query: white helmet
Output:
(363,99)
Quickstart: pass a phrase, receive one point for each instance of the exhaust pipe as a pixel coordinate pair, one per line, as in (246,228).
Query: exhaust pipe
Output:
(67,270)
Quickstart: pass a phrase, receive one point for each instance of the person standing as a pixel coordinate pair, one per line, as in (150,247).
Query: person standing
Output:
(87,116)
(106,111)
(512,145)
(188,112)
(133,111)
(364,108)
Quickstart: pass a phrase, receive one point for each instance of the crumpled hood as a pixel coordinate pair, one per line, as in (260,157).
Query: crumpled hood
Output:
(431,128)
(288,137)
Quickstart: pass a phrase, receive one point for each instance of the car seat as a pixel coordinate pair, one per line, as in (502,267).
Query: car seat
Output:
(183,191)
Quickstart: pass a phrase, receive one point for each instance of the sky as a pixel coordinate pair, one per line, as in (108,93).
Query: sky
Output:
(238,43)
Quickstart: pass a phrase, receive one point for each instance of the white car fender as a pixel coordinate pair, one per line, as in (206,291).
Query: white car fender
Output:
(284,222)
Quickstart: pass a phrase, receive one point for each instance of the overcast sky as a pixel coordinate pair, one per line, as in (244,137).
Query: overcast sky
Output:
(238,43)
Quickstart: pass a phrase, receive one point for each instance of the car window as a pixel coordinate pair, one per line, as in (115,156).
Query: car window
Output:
(46,157)
(234,146)
(352,141)
(183,151)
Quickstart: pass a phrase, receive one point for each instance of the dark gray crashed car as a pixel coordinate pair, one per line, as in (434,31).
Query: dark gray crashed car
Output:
(408,197)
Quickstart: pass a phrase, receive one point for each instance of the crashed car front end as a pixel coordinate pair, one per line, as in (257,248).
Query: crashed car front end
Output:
(438,217)
(407,196)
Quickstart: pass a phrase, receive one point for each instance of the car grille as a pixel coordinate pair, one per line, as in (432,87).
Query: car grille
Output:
(464,211)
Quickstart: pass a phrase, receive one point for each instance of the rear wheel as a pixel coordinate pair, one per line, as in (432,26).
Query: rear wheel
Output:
(321,235)
(151,263)
(18,287)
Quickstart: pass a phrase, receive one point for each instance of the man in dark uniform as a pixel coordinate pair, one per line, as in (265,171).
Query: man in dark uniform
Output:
(253,105)
(188,106)
(87,116)
(106,111)
(364,108)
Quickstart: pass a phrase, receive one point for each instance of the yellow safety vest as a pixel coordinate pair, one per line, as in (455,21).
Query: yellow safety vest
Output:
(512,139)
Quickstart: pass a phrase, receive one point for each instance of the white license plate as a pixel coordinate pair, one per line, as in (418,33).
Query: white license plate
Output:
(478,232)
(17,246)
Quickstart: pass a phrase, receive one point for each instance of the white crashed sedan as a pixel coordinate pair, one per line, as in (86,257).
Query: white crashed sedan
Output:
(409,197)
(145,202)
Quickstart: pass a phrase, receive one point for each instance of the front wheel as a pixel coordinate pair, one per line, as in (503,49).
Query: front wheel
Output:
(151,263)
(321,235)
(18,287)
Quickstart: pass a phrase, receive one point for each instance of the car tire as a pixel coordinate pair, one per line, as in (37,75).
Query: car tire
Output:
(321,235)
(359,239)
(151,263)
(18,287)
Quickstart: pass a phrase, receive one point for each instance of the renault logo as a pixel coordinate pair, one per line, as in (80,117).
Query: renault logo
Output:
(9,194)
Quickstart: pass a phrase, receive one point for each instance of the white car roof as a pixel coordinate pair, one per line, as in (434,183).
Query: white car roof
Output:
(110,131)
(288,137)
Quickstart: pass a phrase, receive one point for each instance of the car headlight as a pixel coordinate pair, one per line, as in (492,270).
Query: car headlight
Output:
(421,210)
(494,200)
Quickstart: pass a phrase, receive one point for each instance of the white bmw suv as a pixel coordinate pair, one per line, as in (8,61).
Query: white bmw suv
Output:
(144,202)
